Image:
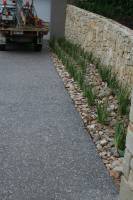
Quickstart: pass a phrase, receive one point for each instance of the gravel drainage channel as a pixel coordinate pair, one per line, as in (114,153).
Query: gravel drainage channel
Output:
(101,134)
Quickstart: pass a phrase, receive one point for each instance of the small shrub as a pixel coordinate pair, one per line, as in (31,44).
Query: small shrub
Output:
(108,8)
(102,113)
(120,137)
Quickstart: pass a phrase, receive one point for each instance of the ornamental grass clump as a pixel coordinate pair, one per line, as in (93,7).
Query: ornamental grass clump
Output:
(76,60)
(90,95)
(102,113)
(70,68)
(113,83)
(80,79)
(120,138)
(105,73)
(75,52)
(123,97)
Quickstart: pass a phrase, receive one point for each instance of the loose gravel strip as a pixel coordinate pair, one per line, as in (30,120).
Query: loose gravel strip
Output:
(102,136)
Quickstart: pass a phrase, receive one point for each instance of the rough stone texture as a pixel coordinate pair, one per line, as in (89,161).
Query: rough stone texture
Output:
(126,163)
(129,141)
(131,110)
(125,193)
(131,164)
(131,179)
(126,189)
(107,39)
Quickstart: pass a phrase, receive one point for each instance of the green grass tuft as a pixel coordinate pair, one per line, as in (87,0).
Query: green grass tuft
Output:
(123,95)
(120,137)
(102,113)
(90,95)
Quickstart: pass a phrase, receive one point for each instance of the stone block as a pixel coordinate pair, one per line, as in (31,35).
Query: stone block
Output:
(126,193)
(126,163)
(130,180)
(129,141)
(131,164)
(131,109)
(131,113)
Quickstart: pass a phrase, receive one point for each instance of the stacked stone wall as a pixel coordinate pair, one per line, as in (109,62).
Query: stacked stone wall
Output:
(113,44)
(105,38)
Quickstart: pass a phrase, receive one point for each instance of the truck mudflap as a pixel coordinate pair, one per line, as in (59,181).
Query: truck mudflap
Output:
(2,39)
(39,38)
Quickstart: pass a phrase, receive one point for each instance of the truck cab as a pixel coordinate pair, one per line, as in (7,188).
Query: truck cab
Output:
(8,15)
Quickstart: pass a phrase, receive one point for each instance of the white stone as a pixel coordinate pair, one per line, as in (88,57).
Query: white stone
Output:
(99,147)
(117,163)
(126,193)
(129,141)
(118,169)
(130,180)
(101,133)
(103,142)
(92,126)
(131,164)
(126,163)
(131,109)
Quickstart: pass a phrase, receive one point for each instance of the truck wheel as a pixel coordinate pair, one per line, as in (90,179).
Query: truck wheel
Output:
(38,47)
(2,47)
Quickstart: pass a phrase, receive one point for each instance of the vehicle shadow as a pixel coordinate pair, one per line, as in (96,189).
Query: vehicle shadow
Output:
(26,48)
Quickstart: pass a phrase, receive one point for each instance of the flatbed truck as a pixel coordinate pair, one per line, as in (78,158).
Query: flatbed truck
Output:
(19,23)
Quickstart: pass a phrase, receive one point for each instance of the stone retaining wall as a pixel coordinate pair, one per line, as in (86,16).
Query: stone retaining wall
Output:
(126,190)
(107,39)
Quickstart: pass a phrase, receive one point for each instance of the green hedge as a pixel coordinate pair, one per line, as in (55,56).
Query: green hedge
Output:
(110,8)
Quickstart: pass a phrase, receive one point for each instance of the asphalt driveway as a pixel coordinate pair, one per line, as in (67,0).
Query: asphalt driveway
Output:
(45,153)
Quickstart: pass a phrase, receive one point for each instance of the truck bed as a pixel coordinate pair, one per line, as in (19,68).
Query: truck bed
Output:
(43,29)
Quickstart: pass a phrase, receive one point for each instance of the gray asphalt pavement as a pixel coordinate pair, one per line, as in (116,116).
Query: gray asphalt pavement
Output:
(45,153)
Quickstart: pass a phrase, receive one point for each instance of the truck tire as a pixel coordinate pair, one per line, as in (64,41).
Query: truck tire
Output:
(2,47)
(38,47)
